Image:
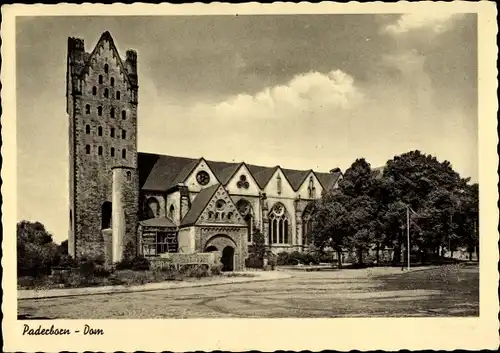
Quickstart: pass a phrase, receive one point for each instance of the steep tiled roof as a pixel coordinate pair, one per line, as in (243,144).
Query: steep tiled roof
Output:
(296,177)
(158,222)
(328,180)
(199,203)
(162,172)
(261,174)
(166,172)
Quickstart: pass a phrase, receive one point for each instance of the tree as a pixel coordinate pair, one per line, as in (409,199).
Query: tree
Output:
(361,187)
(257,250)
(36,251)
(329,217)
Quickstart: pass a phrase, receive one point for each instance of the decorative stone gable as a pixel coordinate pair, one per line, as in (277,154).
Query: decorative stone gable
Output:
(221,210)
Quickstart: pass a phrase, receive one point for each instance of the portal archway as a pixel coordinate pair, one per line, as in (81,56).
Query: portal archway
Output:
(227,258)
(106,213)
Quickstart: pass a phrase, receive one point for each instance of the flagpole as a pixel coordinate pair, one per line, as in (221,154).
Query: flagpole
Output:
(408,233)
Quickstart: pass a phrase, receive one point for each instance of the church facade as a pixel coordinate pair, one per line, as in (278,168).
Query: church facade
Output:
(156,204)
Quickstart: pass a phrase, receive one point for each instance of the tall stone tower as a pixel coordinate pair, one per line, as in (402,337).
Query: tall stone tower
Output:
(102,97)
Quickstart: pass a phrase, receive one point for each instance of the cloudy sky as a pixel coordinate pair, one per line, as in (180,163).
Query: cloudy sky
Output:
(309,91)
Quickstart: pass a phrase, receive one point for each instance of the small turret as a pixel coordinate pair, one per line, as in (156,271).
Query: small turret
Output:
(131,65)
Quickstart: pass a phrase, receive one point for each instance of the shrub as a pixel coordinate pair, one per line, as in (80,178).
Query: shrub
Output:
(216,270)
(140,263)
(196,271)
(68,262)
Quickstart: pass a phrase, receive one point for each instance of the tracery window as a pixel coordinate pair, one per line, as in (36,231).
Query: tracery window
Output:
(243,183)
(278,225)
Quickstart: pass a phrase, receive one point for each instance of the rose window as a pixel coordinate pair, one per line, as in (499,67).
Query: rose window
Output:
(202,178)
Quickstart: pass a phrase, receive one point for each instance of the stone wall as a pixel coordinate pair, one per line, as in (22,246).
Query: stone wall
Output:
(169,259)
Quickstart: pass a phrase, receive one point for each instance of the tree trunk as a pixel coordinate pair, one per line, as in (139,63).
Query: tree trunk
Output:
(339,258)
(377,254)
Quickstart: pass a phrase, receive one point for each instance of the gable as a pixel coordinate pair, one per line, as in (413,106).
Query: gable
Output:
(221,210)
(213,206)
(242,182)
(303,190)
(197,178)
(106,48)
(272,188)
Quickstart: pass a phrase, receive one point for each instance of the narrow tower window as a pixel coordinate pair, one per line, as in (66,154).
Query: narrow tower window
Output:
(118,95)
(99,131)
(87,109)
(106,68)
(124,134)
(112,132)
(124,153)
(100,151)
(99,111)
(112,151)
(112,81)
(100,79)
(106,93)
(124,115)
(129,176)
(87,149)
(87,129)
(278,184)
(94,90)
(112,112)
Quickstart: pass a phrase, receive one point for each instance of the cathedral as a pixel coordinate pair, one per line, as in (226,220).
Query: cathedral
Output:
(121,198)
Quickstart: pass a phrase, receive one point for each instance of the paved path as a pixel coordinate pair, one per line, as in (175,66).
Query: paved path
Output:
(348,293)
(208,281)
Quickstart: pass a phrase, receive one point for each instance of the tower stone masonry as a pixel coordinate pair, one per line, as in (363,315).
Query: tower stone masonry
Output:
(102,98)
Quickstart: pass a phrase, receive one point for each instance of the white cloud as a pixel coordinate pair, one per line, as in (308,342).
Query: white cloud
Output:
(436,22)
(311,93)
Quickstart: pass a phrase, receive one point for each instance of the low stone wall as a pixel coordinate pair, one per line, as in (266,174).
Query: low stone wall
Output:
(179,259)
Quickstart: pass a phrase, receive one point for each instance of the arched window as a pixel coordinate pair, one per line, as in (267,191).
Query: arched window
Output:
(124,115)
(124,153)
(171,212)
(153,208)
(106,213)
(124,134)
(112,112)
(100,79)
(118,95)
(112,151)
(99,111)
(112,132)
(106,93)
(245,209)
(99,130)
(311,189)
(278,225)
(87,149)
(87,109)
(307,225)
(278,184)
(112,81)
(94,90)
(87,129)
(129,176)
(99,151)
(106,68)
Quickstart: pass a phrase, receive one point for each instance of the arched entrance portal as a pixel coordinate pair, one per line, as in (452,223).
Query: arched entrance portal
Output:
(227,247)
(228,259)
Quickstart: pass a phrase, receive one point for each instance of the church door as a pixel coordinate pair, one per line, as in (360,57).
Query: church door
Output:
(228,259)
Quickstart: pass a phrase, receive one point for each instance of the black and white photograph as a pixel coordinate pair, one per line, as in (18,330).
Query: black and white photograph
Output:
(258,165)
